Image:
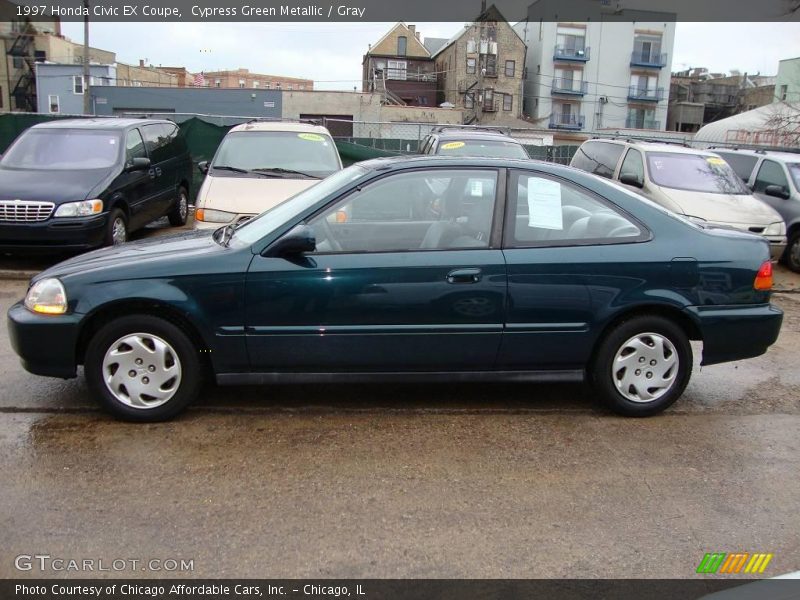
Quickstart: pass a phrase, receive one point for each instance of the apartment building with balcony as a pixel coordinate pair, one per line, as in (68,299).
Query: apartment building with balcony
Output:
(481,69)
(399,67)
(597,75)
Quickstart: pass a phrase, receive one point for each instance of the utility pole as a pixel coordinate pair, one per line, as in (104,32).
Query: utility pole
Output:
(481,68)
(87,100)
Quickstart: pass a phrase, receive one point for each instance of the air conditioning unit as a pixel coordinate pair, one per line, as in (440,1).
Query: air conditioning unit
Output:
(580,53)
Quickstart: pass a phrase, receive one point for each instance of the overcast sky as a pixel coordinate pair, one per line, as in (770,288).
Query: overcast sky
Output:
(330,53)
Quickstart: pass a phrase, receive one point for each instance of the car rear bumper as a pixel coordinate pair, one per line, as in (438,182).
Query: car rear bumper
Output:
(736,332)
(63,234)
(46,344)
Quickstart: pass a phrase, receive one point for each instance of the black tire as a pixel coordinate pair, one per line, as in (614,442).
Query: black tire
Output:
(180,212)
(187,387)
(791,256)
(605,381)
(116,219)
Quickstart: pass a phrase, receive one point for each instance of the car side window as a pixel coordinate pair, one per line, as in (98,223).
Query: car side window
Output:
(550,212)
(419,210)
(134,146)
(156,141)
(600,158)
(633,165)
(770,173)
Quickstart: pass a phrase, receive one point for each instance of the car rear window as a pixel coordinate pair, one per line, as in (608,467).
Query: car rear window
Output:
(742,164)
(694,172)
(64,149)
(487,148)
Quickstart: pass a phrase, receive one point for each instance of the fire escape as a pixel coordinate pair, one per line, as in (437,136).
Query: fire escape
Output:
(477,90)
(22,51)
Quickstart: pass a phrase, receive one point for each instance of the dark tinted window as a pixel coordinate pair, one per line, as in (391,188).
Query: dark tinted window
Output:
(770,173)
(633,165)
(157,141)
(550,212)
(134,146)
(599,158)
(742,164)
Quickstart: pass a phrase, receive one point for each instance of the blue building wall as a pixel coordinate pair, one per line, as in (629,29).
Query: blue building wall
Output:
(57,80)
(208,101)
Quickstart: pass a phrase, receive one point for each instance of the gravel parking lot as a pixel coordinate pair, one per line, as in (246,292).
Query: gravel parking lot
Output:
(477,480)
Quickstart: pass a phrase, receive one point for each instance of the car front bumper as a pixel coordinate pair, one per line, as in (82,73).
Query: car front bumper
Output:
(46,344)
(736,332)
(777,245)
(80,233)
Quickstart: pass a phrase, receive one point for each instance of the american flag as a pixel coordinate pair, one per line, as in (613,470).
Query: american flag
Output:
(199,80)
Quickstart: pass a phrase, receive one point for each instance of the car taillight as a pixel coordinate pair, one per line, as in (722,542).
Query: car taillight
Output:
(764,277)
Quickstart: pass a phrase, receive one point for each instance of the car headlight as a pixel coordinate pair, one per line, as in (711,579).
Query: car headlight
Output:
(209,215)
(47,296)
(84,208)
(778,228)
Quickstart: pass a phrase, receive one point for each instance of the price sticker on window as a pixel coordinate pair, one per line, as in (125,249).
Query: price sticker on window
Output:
(311,137)
(713,160)
(453,145)
(544,204)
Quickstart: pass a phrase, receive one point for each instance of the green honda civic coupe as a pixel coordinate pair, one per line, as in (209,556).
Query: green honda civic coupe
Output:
(410,269)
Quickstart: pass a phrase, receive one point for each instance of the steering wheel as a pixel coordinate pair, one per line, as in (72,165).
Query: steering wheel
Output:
(326,228)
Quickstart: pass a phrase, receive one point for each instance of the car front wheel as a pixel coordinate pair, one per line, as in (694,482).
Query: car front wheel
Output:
(791,257)
(643,366)
(180,212)
(143,368)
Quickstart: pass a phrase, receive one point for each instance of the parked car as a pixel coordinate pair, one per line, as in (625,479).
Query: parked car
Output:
(260,164)
(774,178)
(527,272)
(694,183)
(461,141)
(77,184)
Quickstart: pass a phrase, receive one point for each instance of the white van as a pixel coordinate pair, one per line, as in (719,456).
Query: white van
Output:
(694,183)
(260,164)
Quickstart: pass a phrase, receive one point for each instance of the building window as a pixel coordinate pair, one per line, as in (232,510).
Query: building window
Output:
(77,85)
(17,62)
(471,47)
(217,83)
(570,42)
(471,66)
(784,92)
(289,86)
(402,45)
(301,87)
(469,100)
(278,85)
(267,85)
(256,84)
(396,69)
(647,48)
(511,67)
(241,83)
(55,106)
(508,101)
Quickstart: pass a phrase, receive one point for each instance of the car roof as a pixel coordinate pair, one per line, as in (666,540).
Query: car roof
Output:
(467,135)
(784,156)
(648,146)
(396,163)
(98,123)
(293,126)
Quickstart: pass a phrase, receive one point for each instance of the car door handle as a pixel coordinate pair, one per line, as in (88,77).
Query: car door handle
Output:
(464,276)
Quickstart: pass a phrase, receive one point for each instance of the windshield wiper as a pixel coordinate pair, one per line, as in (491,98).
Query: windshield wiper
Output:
(238,170)
(281,171)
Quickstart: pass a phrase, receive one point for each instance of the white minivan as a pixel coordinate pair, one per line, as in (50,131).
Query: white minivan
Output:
(260,164)
(694,183)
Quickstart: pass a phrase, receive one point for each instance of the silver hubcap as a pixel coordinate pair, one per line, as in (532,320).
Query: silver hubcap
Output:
(645,367)
(183,205)
(794,253)
(141,370)
(118,231)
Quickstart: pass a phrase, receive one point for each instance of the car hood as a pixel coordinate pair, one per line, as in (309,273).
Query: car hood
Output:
(49,185)
(742,209)
(249,195)
(142,254)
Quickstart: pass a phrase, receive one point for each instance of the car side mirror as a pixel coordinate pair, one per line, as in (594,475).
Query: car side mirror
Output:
(778,191)
(138,163)
(202,166)
(630,179)
(299,240)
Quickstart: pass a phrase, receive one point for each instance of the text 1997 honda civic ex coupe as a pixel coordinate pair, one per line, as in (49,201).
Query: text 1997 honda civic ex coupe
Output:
(410,269)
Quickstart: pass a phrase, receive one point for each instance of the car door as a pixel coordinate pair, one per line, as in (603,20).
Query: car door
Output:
(138,186)
(161,170)
(771,172)
(561,246)
(407,276)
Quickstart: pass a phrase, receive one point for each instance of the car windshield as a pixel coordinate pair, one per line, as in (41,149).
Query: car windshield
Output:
(694,172)
(63,149)
(486,148)
(267,222)
(304,153)
(794,171)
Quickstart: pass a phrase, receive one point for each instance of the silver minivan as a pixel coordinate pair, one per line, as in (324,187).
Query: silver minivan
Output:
(697,184)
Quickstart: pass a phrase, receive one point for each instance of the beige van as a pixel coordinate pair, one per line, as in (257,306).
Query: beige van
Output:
(260,164)
(694,183)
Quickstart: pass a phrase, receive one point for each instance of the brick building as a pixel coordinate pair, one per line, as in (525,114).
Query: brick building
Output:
(244,79)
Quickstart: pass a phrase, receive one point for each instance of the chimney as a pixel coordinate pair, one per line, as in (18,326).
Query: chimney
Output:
(141,62)
(413,29)
(483,6)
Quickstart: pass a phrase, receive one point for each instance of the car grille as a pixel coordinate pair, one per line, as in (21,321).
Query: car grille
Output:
(25,211)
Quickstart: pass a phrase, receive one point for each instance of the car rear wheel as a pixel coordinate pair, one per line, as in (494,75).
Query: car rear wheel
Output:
(117,228)
(791,257)
(179,213)
(643,366)
(143,368)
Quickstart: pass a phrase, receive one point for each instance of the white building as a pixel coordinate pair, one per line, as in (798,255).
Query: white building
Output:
(592,76)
